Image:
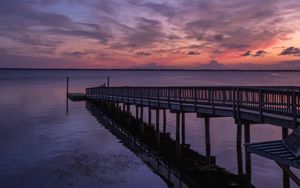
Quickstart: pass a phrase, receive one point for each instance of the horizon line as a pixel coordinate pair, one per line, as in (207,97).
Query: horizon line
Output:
(153,69)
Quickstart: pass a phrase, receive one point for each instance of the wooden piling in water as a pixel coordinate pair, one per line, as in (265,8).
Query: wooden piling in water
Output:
(183,128)
(149,116)
(136,111)
(207,138)
(157,127)
(178,148)
(285,175)
(238,134)
(247,154)
(142,118)
(67,91)
(164,121)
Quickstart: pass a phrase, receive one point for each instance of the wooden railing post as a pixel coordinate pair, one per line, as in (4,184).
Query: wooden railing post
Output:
(261,103)
(169,97)
(212,100)
(180,101)
(157,97)
(149,96)
(195,99)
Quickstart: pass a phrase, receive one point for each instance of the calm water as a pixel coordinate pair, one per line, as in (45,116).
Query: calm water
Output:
(42,146)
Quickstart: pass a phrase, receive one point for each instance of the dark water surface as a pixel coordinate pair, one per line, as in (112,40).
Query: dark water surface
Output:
(41,146)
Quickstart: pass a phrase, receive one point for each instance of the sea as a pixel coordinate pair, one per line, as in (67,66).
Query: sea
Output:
(46,141)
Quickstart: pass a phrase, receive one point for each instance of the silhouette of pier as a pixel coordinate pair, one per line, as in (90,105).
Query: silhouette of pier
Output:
(275,105)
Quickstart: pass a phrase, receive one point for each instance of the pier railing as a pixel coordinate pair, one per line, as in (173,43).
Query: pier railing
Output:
(282,101)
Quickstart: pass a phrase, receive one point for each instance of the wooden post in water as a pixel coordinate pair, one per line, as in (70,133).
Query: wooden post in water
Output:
(157,126)
(107,83)
(247,154)
(136,112)
(128,108)
(67,92)
(149,116)
(164,121)
(142,119)
(239,147)
(128,112)
(238,134)
(286,178)
(124,107)
(183,128)
(207,139)
(178,149)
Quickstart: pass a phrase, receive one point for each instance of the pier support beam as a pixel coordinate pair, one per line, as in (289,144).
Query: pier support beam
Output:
(178,148)
(157,127)
(239,134)
(149,116)
(183,128)
(124,107)
(142,118)
(136,112)
(128,108)
(285,175)
(239,147)
(207,139)
(128,112)
(164,121)
(247,154)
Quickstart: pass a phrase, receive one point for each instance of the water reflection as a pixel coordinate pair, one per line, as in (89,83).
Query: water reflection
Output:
(171,176)
(33,121)
(157,163)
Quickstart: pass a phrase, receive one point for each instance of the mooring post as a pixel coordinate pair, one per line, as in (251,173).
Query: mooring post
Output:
(67,92)
(285,175)
(207,138)
(149,116)
(157,126)
(183,128)
(178,149)
(164,121)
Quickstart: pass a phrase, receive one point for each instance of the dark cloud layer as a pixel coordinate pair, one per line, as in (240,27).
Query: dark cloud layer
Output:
(258,53)
(293,51)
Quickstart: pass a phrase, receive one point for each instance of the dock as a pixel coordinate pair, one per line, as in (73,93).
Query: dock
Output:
(77,96)
(275,105)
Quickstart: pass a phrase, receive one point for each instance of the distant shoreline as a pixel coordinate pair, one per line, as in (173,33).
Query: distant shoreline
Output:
(158,70)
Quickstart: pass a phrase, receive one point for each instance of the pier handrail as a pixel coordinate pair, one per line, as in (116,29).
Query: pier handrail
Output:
(277,100)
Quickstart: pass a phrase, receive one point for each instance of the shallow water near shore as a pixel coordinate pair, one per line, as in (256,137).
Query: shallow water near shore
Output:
(43,146)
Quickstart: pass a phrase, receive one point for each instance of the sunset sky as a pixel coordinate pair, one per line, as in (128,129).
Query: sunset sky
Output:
(248,34)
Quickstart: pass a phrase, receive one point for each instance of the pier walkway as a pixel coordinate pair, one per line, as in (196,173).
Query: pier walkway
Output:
(273,105)
(276,105)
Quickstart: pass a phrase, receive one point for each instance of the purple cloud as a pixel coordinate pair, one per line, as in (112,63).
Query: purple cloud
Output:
(293,51)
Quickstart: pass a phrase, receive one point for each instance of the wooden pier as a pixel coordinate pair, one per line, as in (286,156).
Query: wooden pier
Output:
(279,106)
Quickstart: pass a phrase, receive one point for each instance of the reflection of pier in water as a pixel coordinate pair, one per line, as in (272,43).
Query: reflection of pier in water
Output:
(151,156)
(171,176)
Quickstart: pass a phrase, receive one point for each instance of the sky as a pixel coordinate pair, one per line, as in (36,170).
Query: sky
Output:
(243,34)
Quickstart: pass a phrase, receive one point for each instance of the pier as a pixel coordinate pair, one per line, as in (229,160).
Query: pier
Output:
(278,106)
